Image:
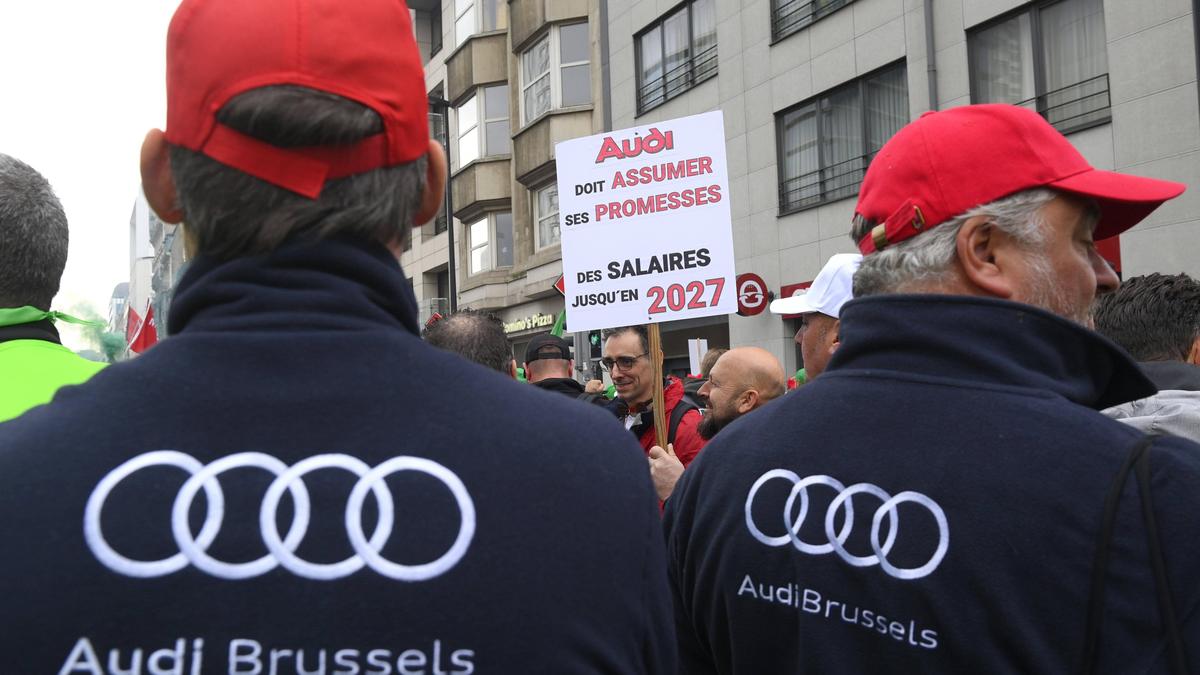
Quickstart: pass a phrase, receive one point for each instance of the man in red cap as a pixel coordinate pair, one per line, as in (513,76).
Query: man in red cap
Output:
(946,498)
(294,481)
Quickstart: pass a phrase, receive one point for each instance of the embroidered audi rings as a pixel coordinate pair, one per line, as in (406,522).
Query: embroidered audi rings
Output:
(837,540)
(193,548)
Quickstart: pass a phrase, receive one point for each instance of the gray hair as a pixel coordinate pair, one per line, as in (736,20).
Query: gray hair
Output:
(33,236)
(228,213)
(928,258)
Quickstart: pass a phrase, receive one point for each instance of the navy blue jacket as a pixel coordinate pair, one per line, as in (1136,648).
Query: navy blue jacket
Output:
(963,435)
(511,540)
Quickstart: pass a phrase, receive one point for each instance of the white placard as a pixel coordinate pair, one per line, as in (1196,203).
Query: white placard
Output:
(645,221)
(697,348)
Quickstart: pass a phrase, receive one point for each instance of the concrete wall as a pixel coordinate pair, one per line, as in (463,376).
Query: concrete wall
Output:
(1156,126)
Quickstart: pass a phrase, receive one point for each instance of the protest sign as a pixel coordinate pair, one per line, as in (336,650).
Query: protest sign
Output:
(645,222)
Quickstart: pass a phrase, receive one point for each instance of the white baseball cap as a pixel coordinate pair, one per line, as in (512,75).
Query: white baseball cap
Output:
(832,288)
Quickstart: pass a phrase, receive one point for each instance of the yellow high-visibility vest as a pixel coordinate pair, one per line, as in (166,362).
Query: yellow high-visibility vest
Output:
(32,370)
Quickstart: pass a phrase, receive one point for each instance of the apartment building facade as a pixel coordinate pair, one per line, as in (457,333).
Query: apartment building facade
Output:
(507,80)
(811,90)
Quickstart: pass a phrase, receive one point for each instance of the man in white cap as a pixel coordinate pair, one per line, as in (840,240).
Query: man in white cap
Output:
(820,307)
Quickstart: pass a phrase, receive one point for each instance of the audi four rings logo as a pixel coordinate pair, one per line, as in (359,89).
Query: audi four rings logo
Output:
(837,538)
(280,549)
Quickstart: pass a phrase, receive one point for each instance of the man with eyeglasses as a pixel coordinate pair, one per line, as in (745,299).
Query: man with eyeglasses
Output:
(627,359)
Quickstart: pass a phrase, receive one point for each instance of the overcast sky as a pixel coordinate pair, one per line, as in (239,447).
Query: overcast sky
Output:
(82,82)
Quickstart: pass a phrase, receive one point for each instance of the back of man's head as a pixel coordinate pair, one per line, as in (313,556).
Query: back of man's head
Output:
(33,237)
(272,137)
(1155,317)
(544,369)
(476,336)
(547,357)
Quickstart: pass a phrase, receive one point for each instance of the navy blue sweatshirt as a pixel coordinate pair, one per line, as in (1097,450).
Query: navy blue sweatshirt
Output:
(932,503)
(294,482)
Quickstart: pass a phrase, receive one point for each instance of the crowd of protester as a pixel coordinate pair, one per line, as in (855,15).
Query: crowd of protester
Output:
(991,468)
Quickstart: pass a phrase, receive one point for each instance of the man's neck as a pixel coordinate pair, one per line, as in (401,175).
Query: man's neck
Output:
(641,407)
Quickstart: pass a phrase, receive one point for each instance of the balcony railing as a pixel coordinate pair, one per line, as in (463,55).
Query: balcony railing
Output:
(789,16)
(836,181)
(692,71)
(1075,107)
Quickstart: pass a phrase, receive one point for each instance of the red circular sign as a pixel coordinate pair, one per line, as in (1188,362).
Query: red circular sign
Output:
(751,294)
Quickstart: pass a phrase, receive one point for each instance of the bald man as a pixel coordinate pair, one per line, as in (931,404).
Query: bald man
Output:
(742,379)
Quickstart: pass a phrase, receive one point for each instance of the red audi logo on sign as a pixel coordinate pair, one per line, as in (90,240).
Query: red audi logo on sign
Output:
(751,294)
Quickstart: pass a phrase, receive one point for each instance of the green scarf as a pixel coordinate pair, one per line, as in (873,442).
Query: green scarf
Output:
(19,315)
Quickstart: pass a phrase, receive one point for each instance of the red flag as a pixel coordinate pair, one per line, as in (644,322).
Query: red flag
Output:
(133,324)
(147,334)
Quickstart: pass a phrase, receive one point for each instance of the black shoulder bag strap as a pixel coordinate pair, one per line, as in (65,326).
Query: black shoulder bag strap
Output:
(1139,461)
(677,414)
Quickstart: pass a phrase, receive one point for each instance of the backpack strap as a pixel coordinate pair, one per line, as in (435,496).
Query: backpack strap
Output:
(1139,460)
(1166,607)
(677,414)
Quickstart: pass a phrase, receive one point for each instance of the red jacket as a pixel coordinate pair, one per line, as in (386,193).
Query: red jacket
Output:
(687,438)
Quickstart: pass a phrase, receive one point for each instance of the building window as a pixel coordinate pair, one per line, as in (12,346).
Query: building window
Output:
(790,16)
(468,131)
(1050,57)
(478,16)
(545,215)
(464,20)
(491,242)
(676,53)
(826,143)
(486,137)
(556,71)
(438,131)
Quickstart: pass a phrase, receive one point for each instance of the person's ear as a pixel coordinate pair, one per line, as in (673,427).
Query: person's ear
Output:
(985,255)
(435,184)
(1194,354)
(747,401)
(836,328)
(158,183)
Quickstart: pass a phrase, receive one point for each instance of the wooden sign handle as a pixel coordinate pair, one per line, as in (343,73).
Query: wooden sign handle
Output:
(660,417)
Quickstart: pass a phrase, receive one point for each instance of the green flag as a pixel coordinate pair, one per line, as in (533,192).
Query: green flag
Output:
(560,322)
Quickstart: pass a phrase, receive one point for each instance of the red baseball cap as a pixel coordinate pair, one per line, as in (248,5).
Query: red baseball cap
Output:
(362,50)
(946,163)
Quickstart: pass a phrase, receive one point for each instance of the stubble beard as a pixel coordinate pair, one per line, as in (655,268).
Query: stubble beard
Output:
(1047,294)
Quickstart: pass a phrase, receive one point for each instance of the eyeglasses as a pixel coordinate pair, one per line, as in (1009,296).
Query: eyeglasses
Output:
(622,362)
